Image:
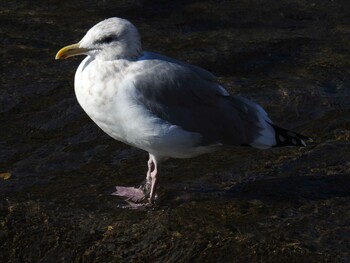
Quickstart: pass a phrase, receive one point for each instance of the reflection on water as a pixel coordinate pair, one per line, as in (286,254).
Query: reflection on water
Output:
(277,205)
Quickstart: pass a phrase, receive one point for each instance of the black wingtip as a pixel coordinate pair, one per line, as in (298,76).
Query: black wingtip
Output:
(288,138)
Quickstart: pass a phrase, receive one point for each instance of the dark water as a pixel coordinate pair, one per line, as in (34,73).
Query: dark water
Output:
(236,205)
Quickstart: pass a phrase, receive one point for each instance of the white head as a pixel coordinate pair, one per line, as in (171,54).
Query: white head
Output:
(113,38)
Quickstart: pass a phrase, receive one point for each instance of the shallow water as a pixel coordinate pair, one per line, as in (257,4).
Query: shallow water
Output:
(239,204)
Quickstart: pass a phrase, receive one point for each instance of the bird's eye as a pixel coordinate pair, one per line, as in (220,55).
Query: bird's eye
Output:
(105,40)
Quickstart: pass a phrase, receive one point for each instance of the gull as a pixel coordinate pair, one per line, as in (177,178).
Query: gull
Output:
(169,108)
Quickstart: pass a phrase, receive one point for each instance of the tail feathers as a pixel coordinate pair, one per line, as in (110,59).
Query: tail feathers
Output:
(288,138)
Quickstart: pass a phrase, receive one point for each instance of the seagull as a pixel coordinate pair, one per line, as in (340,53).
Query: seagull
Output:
(164,106)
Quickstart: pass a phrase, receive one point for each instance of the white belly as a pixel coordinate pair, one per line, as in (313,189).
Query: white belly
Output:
(111,102)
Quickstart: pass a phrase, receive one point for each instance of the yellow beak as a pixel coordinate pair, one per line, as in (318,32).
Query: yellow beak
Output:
(70,51)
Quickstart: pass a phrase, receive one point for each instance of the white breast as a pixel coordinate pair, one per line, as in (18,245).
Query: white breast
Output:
(108,96)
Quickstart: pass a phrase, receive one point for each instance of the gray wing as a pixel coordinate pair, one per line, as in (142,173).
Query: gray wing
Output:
(204,74)
(191,98)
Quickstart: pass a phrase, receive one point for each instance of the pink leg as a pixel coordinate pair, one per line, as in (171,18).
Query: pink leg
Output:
(135,196)
(150,169)
(154,176)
